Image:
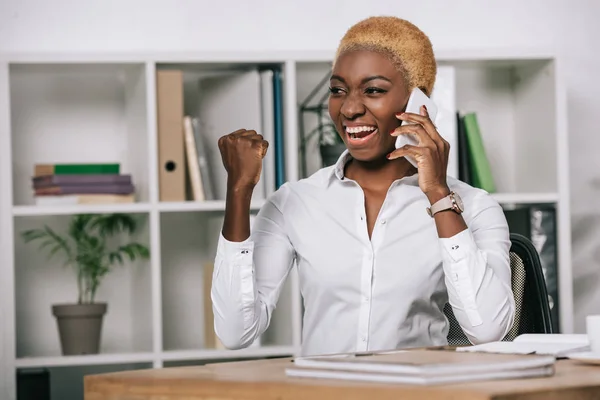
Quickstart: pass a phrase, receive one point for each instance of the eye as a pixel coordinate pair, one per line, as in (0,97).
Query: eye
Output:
(335,90)
(374,90)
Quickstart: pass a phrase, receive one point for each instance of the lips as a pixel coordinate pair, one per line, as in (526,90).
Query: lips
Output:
(359,134)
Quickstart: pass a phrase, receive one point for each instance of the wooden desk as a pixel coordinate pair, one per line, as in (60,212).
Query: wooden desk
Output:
(266,380)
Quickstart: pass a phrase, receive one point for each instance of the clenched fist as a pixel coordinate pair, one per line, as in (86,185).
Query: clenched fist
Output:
(242,153)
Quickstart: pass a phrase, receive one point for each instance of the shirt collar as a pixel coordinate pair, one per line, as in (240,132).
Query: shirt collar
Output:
(338,168)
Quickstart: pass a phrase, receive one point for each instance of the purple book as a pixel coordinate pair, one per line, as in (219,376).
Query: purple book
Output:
(82,179)
(86,189)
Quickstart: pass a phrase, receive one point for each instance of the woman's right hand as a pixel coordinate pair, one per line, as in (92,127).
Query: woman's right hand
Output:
(242,153)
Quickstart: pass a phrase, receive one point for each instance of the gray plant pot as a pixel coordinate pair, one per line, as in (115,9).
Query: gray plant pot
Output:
(331,153)
(79,327)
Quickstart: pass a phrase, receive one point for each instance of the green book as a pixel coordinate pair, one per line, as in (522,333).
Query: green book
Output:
(80,169)
(481,171)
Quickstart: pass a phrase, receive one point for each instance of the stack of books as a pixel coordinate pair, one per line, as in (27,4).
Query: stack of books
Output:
(81,184)
(422,367)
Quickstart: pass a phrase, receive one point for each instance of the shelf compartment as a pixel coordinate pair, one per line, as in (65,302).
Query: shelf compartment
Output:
(41,281)
(225,98)
(78,113)
(515,103)
(188,247)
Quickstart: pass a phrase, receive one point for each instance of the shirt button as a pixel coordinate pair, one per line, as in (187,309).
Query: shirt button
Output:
(383,222)
(364,339)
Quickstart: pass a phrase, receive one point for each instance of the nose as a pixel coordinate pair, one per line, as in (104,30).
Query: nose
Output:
(352,106)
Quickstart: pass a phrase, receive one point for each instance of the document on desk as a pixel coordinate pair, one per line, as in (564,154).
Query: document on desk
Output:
(422,367)
(558,345)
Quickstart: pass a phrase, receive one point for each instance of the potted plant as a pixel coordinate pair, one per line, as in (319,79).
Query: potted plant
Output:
(87,250)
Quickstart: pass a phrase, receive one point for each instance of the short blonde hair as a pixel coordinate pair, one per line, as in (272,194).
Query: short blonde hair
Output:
(408,48)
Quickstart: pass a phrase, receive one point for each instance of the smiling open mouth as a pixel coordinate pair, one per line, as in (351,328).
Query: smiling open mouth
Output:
(360,134)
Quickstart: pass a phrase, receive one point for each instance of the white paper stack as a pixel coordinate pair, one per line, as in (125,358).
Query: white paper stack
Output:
(558,345)
(422,367)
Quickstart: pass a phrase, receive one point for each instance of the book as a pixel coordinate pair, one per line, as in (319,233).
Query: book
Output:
(555,344)
(203,161)
(43,181)
(86,189)
(191,151)
(481,173)
(422,366)
(52,200)
(464,162)
(76,168)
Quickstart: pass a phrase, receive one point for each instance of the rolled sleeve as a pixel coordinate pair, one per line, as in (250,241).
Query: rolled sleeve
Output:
(476,264)
(248,277)
(465,266)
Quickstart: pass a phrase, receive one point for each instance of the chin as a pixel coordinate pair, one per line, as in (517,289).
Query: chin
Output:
(367,155)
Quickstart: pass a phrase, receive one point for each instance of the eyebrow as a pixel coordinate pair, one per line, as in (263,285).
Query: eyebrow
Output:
(365,80)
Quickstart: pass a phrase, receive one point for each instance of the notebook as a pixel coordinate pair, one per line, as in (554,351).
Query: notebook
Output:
(558,345)
(422,367)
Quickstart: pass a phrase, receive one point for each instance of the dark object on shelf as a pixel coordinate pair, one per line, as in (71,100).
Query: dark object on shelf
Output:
(538,224)
(529,289)
(331,145)
(33,384)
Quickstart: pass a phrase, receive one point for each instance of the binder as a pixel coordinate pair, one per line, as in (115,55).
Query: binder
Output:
(171,156)
(268,131)
(227,102)
(278,139)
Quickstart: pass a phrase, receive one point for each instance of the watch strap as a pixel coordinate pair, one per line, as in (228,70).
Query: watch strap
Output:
(445,203)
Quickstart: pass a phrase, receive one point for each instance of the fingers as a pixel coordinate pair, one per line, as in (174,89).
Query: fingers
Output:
(416,152)
(265,147)
(423,138)
(424,121)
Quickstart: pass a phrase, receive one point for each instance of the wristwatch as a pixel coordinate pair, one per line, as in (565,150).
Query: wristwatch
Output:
(451,202)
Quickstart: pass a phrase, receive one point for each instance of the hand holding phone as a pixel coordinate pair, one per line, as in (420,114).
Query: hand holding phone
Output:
(416,100)
(418,138)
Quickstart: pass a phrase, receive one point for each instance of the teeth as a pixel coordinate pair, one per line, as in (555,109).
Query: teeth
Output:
(358,129)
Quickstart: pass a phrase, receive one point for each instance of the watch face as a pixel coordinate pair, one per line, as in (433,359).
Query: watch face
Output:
(458,202)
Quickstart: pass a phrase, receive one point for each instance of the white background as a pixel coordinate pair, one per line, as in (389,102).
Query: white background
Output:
(570,27)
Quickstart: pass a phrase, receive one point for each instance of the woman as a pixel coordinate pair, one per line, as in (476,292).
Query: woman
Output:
(375,268)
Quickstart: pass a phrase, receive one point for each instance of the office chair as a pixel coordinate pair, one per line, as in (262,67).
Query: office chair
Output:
(532,311)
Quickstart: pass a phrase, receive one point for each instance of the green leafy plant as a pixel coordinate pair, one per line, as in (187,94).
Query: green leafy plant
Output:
(86,248)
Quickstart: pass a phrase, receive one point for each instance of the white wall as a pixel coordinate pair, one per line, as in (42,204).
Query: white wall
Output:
(175,25)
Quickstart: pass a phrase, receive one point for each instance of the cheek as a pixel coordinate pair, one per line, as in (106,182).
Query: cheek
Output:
(334,109)
(384,110)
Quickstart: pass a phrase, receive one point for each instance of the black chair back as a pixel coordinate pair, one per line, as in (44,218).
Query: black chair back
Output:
(532,310)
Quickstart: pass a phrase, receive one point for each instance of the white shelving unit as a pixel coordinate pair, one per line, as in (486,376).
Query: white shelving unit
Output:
(102,107)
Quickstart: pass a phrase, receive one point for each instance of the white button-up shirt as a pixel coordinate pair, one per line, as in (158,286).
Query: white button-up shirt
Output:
(359,294)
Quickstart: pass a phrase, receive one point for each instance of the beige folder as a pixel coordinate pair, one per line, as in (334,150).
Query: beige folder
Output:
(171,157)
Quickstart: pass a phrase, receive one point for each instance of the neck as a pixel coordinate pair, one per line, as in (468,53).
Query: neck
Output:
(378,173)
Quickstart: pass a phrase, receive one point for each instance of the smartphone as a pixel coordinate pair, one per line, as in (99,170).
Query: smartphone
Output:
(415,101)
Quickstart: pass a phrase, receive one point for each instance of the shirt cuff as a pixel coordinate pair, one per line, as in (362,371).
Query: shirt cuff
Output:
(459,246)
(238,256)
(458,266)
(237,252)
